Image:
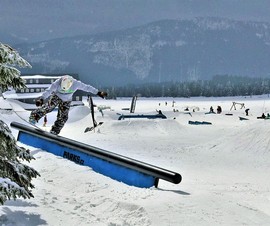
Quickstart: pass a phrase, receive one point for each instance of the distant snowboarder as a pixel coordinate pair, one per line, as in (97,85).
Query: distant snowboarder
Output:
(60,94)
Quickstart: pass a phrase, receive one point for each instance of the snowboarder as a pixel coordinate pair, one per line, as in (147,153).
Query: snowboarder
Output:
(60,94)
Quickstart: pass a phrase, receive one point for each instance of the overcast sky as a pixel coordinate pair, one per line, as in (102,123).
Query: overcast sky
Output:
(35,20)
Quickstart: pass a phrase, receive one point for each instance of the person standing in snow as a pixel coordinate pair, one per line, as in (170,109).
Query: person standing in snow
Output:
(219,110)
(247,110)
(60,94)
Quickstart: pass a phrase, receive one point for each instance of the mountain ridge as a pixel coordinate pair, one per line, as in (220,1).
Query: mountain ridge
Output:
(165,50)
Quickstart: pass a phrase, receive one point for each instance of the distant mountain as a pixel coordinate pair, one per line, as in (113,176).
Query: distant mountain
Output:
(8,38)
(167,50)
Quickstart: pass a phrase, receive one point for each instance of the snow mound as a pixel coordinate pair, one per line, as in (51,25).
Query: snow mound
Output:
(146,127)
(78,113)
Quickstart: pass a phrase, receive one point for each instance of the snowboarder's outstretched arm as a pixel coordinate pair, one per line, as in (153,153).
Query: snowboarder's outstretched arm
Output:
(88,88)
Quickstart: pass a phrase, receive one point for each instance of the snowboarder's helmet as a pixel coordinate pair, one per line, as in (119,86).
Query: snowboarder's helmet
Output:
(66,82)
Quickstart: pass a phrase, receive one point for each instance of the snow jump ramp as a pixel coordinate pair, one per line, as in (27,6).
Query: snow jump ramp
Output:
(118,167)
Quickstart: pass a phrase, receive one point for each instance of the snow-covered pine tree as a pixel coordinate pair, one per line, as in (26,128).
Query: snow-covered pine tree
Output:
(9,75)
(15,177)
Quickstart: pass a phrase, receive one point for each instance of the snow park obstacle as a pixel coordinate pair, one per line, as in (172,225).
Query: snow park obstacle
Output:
(133,105)
(242,118)
(115,166)
(234,105)
(199,123)
(155,116)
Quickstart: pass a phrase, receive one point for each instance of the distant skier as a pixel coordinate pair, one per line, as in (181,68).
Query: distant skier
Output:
(60,94)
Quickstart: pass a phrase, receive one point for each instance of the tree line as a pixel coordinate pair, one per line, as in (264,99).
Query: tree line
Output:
(219,85)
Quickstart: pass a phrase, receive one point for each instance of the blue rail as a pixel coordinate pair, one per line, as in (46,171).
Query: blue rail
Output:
(118,167)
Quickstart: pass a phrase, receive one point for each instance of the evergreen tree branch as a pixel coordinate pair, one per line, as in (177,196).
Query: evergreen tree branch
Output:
(10,189)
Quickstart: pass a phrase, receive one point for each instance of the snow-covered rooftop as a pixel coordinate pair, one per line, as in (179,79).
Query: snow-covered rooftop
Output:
(39,77)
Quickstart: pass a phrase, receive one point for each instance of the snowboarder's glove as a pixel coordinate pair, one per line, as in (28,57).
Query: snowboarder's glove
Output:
(102,94)
(39,102)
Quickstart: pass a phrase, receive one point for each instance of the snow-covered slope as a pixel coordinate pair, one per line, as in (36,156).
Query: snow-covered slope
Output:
(225,168)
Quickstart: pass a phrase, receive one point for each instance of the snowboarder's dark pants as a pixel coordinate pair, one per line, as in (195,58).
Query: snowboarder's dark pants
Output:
(62,115)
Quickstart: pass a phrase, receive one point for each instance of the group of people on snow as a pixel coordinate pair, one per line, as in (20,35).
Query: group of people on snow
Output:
(219,109)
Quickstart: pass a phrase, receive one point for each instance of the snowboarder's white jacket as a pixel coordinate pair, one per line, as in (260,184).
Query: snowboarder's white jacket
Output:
(66,95)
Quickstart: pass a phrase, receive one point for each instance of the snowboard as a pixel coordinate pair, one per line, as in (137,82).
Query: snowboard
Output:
(87,129)
(95,124)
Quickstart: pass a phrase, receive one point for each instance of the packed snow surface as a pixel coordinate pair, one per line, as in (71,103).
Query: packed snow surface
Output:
(225,166)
